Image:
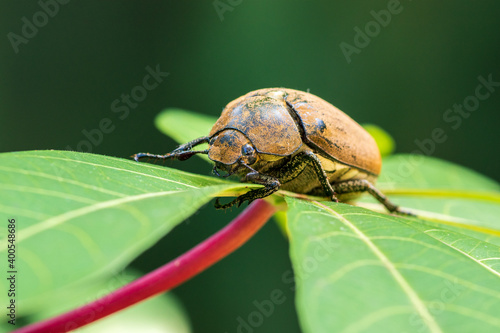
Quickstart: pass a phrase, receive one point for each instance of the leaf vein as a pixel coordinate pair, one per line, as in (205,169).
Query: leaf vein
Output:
(56,220)
(405,286)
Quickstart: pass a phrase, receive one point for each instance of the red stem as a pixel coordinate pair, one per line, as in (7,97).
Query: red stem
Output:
(168,276)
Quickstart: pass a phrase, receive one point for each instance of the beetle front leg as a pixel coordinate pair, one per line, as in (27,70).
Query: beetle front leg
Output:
(363,185)
(271,184)
(189,145)
(175,155)
(183,152)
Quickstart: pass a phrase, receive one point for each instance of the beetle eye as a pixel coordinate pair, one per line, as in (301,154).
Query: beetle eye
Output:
(247,150)
(212,140)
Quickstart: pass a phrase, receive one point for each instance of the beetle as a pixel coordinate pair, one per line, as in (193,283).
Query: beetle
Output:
(292,140)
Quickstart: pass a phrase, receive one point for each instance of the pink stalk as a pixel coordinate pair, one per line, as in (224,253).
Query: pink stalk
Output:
(168,276)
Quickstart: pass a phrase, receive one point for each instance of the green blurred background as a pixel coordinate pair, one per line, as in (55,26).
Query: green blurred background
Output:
(64,79)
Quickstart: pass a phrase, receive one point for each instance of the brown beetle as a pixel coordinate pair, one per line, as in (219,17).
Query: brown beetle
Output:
(291,140)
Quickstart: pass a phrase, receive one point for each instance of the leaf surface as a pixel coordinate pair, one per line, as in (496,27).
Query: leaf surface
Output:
(83,216)
(361,271)
(442,191)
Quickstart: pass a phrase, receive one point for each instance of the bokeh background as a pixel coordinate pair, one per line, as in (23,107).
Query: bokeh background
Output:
(59,81)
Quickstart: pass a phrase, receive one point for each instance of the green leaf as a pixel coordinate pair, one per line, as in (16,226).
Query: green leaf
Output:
(357,270)
(441,191)
(162,313)
(81,216)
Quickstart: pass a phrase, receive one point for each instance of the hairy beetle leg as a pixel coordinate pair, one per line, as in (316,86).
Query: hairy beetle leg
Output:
(178,155)
(189,145)
(292,169)
(271,185)
(362,185)
(183,152)
(320,172)
(238,201)
(218,205)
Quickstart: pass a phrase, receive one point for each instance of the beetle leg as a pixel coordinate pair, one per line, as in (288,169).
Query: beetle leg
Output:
(271,184)
(216,172)
(320,172)
(362,185)
(183,152)
(189,145)
(179,155)
(293,168)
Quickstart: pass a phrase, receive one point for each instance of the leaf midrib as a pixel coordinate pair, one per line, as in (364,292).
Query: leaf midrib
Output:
(415,300)
(115,168)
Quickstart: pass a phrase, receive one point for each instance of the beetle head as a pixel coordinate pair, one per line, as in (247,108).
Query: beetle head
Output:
(231,151)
